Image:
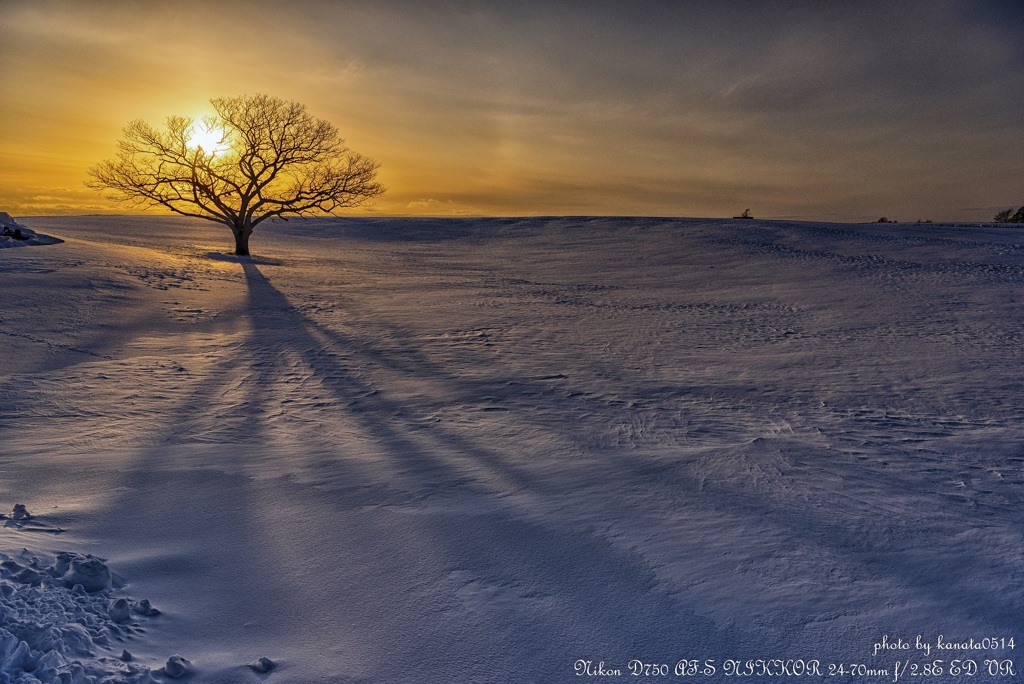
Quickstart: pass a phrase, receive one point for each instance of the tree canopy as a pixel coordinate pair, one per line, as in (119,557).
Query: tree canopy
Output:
(259,157)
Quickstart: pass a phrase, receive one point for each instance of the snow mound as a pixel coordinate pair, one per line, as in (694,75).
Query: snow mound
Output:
(61,623)
(13,234)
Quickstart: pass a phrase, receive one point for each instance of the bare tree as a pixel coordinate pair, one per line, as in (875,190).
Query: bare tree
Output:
(257,158)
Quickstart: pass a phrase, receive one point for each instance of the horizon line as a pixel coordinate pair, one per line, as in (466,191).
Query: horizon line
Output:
(462,217)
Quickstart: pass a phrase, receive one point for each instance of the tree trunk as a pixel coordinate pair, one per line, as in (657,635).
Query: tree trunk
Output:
(242,240)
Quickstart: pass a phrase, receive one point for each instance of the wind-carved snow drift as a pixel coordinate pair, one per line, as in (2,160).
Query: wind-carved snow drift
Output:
(64,620)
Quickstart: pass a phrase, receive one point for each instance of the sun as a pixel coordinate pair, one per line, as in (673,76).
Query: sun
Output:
(209,138)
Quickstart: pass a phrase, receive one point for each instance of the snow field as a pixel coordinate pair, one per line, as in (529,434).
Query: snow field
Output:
(390,450)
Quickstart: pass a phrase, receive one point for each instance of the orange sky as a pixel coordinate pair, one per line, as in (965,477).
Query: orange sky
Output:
(701,109)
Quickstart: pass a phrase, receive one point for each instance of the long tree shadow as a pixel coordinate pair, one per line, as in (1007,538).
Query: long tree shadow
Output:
(438,451)
(609,595)
(581,591)
(383,418)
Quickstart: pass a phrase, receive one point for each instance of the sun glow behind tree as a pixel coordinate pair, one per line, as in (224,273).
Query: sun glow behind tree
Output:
(207,135)
(260,157)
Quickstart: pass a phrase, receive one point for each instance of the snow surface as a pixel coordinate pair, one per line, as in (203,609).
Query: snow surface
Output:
(419,450)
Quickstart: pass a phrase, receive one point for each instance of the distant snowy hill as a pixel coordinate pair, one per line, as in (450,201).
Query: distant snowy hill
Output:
(13,234)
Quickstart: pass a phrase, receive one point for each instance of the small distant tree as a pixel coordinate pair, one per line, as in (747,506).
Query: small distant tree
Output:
(259,157)
(1009,216)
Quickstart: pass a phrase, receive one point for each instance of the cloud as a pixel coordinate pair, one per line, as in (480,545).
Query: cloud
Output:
(434,207)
